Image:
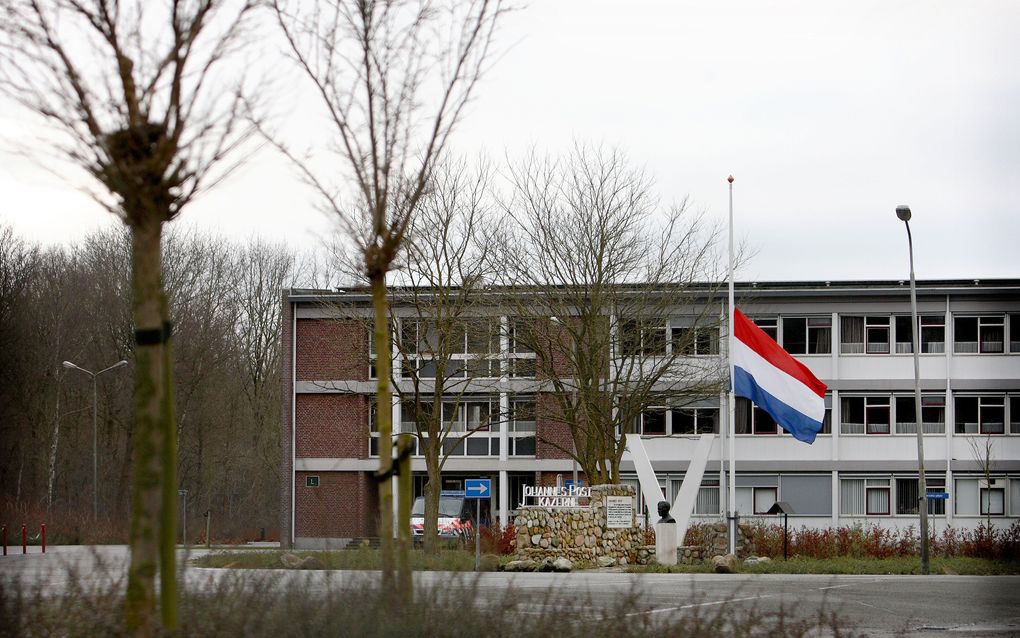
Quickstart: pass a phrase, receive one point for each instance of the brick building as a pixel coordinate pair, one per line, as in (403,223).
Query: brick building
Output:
(855,336)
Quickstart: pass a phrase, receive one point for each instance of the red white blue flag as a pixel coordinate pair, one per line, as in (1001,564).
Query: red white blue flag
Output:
(777,383)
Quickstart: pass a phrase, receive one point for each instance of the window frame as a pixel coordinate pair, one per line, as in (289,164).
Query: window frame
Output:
(984,401)
(810,333)
(982,321)
(984,492)
(911,426)
(870,404)
(928,323)
(872,484)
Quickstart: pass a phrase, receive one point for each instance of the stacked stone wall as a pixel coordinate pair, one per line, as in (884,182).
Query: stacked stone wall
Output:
(579,534)
(717,544)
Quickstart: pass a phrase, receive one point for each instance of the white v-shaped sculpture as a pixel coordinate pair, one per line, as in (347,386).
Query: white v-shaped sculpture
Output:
(683,506)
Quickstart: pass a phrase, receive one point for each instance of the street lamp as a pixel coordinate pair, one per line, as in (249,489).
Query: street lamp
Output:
(903,213)
(184,532)
(95,450)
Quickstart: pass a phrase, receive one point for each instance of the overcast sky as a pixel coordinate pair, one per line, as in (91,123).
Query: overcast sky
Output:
(828,114)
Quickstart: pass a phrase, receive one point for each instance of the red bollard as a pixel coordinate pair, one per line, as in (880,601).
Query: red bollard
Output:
(5,539)
(24,539)
(42,532)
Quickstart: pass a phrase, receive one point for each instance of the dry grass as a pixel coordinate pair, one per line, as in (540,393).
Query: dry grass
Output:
(309,605)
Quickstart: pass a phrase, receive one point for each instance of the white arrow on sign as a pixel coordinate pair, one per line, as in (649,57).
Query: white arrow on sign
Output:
(482,489)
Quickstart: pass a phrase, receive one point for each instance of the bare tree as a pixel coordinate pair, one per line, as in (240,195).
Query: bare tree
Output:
(448,344)
(609,293)
(135,92)
(394,77)
(982,450)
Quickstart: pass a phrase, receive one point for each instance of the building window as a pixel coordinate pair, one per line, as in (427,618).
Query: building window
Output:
(653,421)
(864,415)
(707,502)
(1014,332)
(750,419)
(756,500)
(867,335)
(1014,418)
(993,501)
(768,325)
(933,414)
(642,337)
(521,427)
(695,341)
(764,499)
(460,349)
(311,481)
(877,496)
(984,334)
(980,415)
(869,496)
(695,421)
(981,497)
(520,341)
(807,335)
(468,427)
(933,334)
(908,498)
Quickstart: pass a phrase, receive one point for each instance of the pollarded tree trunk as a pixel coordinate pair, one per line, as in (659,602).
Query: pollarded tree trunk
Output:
(149,449)
(384,419)
(168,514)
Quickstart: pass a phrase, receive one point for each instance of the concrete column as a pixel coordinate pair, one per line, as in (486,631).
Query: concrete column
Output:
(503,489)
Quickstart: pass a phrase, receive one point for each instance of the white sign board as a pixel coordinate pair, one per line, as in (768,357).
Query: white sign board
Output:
(619,512)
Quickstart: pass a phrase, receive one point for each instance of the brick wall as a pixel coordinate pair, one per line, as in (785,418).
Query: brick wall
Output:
(286,381)
(332,426)
(548,479)
(550,432)
(332,350)
(344,505)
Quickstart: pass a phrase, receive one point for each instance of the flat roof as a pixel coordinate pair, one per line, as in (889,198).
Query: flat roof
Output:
(812,288)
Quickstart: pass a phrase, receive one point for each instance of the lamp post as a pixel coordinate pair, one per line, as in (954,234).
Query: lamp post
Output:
(184,519)
(95,447)
(903,213)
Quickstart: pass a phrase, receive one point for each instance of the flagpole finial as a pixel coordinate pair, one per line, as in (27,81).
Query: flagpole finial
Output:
(730,179)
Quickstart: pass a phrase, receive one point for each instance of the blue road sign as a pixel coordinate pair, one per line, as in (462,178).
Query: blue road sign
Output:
(938,496)
(477,488)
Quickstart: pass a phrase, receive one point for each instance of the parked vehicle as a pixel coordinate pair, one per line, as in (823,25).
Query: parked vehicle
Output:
(456,516)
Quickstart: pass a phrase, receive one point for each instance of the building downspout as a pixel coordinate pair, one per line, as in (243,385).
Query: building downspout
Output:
(293,424)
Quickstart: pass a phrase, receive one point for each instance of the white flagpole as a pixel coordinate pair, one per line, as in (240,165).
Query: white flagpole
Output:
(731,420)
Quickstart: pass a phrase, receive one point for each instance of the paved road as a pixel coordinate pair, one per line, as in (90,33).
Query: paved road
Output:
(880,606)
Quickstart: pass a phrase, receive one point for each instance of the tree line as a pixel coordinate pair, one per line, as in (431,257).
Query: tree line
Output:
(73,304)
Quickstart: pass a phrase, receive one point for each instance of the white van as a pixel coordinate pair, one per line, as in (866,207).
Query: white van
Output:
(456,516)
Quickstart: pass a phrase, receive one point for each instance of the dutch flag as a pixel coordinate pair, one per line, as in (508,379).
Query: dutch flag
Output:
(777,383)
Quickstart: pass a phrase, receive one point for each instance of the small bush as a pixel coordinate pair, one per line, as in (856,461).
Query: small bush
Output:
(497,539)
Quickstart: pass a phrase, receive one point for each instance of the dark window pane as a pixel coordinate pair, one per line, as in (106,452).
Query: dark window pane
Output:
(654,422)
(524,446)
(795,335)
(966,415)
(453,447)
(764,423)
(683,422)
(907,498)
(478,446)
(904,334)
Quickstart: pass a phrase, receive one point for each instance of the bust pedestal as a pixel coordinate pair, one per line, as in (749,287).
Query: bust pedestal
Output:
(665,543)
